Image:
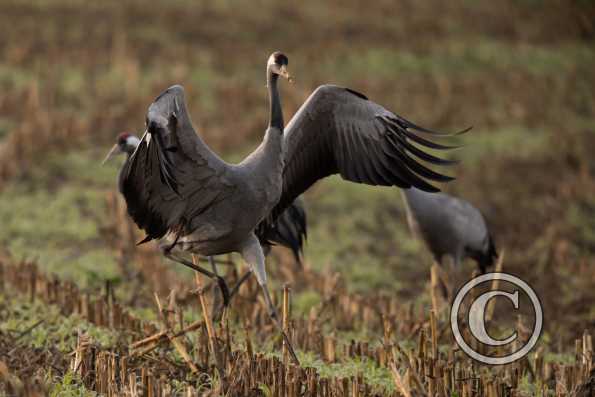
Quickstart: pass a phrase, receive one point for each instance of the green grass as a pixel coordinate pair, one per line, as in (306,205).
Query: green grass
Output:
(377,377)
(304,301)
(70,386)
(58,223)
(55,330)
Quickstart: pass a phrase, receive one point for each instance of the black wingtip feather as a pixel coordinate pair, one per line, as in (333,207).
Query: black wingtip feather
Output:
(145,240)
(408,124)
(466,130)
(399,128)
(428,188)
(420,153)
(412,172)
(424,171)
(427,143)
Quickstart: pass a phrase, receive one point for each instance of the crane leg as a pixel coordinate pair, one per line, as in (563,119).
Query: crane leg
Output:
(220,281)
(252,253)
(218,305)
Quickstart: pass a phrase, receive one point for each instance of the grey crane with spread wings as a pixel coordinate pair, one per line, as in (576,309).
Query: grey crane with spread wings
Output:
(178,190)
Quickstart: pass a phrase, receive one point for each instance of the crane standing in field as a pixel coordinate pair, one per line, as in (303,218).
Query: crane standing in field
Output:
(180,192)
(450,226)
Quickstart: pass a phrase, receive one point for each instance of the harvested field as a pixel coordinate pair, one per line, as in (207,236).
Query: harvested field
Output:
(84,311)
(179,358)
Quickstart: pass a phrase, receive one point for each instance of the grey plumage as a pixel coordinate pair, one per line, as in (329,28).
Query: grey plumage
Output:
(289,229)
(450,226)
(340,131)
(177,188)
(180,191)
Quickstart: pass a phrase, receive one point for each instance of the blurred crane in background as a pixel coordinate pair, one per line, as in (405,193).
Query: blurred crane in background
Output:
(450,227)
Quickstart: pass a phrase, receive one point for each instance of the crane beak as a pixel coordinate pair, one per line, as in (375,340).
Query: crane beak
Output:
(283,72)
(113,150)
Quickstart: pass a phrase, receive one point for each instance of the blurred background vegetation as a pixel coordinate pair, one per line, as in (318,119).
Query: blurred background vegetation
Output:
(73,74)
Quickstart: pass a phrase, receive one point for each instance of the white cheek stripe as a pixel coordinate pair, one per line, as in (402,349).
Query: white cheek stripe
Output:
(132,141)
(271,60)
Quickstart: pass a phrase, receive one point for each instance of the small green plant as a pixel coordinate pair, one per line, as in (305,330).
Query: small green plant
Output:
(70,386)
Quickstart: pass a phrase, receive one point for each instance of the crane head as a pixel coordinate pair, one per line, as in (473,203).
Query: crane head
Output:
(125,143)
(277,63)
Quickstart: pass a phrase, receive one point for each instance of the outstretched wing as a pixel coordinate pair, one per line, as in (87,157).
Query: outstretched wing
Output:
(338,130)
(172,177)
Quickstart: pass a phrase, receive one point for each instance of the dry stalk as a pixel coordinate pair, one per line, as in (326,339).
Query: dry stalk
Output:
(249,347)
(587,358)
(162,336)
(433,329)
(213,345)
(175,342)
(435,286)
(412,372)
(82,345)
(286,291)
(495,284)
(401,384)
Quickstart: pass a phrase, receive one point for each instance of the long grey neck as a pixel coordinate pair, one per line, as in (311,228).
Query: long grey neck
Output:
(276,114)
